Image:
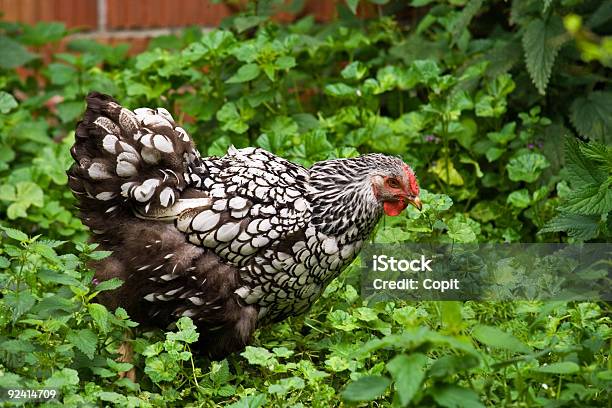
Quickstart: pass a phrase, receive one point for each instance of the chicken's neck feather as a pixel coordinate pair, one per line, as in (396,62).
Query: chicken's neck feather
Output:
(343,202)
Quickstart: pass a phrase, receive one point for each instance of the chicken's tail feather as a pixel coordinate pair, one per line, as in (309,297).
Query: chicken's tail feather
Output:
(127,160)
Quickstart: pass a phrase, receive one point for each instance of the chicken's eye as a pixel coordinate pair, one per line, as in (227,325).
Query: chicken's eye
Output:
(393,183)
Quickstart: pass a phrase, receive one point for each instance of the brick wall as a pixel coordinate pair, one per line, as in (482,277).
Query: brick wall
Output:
(135,21)
(75,13)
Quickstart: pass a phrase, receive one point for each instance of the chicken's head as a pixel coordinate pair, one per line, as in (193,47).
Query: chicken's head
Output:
(395,186)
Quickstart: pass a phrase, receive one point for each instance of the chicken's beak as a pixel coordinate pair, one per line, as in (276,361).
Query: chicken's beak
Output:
(416,201)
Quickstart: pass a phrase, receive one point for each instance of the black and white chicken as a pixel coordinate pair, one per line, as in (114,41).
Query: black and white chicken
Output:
(233,242)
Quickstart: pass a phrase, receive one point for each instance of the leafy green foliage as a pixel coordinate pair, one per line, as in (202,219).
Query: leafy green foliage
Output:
(541,41)
(450,95)
(585,209)
(591,116)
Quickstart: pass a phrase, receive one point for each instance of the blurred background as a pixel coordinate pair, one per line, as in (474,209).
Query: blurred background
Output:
(136,21)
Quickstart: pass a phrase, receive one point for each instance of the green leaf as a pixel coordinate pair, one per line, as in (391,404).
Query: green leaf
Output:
(271,142)
(454,396)
(366,388)
(506,135)
(467,160)
(597,152)
(541,43)
(69,111)
(100,315)
(466,15)
(111,396)
(485,211)
(436,202)
(316,145)
(519,198)
(251,401)
(6,155)
(445,170)
(244,23)
(13,53)
(581,170)
(259,356)
(10,380)
(7,192)
(145,60)
(494,153)
(589,200)
(62,379)
(355,70)
(408,373)
(136,89)
(340,90)
(20,302)
(61,74)
(231,119)
(29,193)
(98,255)
(219,372)
(285,385)
(34,130)
(47,252)
(4,262)
(365,314)
(592,115)
(245,73)
(282,352)
(352,5)
(285,62)
(43,33)
(219,146)
(226,390)
(162,368)
(282,126)
(424,71)
(337,363)
(527,167)
(7,102)
(51,306)
(583,227)
(187,331)
(109,284)
(496,338)
(16,346)
(563,367)
(85,340)
(605,375)
(451,364)
(340,319)
(15,234)
(17,210)
(118,367)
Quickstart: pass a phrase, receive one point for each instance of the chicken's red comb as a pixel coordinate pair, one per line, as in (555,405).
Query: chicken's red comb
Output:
(414,183)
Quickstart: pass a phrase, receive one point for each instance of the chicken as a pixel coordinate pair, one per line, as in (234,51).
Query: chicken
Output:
(233,242)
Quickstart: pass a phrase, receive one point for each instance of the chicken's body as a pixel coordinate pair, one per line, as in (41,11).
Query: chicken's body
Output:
(232,242)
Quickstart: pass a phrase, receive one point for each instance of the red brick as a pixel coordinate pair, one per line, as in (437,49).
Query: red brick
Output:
(321,9)
(74,13)
(126,14)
